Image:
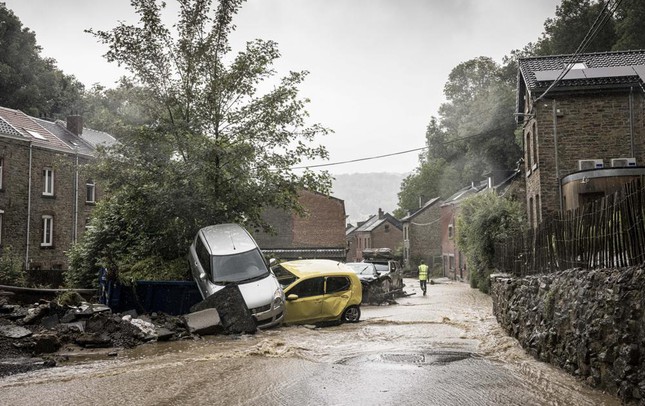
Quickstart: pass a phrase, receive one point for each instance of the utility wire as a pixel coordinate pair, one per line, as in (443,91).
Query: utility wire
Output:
(388,155)
(599,22)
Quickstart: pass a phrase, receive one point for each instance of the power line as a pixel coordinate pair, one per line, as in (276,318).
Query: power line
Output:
(388,155)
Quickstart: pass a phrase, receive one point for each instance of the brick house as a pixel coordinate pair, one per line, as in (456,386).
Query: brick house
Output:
(587,122)
(45,195)
(381,230)
(320,233)
(422,235)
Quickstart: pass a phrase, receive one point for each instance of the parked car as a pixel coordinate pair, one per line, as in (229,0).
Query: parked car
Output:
(319,290)
(225,254)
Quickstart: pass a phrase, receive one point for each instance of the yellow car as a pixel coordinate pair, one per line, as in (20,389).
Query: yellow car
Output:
(318,290)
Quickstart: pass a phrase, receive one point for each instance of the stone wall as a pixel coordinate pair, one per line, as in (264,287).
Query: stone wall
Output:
(589,323)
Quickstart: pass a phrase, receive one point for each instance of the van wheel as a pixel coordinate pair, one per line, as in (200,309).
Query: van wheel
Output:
(352,314)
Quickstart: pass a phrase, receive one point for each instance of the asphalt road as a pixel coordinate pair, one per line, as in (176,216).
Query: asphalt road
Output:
(442,349)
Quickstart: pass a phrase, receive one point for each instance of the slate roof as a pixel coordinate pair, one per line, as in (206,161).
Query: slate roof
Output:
(374,221)
(429,203)
(98,138)
(594,61)
(59,129)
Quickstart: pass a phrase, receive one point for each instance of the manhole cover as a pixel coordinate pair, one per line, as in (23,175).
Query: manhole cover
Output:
(415,358)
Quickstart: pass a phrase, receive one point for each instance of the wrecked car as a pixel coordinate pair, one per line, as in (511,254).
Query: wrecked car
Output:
(319,290)
(386,265)
(226,254)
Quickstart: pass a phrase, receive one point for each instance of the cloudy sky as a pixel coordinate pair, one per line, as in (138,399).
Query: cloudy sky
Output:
(377,67)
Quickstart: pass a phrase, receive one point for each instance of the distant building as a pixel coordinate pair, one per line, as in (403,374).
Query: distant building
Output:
(319,234)
(422,235)
(46,196)
(379,231)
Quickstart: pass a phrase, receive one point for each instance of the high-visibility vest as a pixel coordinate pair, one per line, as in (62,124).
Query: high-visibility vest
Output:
(423,272)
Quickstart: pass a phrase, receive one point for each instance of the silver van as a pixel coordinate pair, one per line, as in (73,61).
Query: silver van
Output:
(226,254)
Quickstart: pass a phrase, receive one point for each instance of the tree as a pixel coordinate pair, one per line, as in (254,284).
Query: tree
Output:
(212,149)
(483,220)
(29,82)
(473,135)
(630,30)
(573,20)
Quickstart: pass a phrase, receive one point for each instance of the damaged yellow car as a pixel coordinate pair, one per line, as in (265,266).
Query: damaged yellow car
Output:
(319,290)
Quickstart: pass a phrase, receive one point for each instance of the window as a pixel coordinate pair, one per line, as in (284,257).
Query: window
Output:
(203,256)
(451,232)
(309,287)
(387,228)
(48,231)
(48,182)
(534,145)
(1,221)
(337,284)
(1,172)
(90,188)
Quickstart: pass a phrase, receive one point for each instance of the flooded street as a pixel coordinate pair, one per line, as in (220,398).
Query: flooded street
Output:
(442,349)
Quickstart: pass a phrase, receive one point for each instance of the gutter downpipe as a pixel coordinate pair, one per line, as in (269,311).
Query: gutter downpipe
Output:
(28,206)
(75,231)
(555,144)
(631,120)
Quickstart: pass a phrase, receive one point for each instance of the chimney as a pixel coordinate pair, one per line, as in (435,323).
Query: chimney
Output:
(75,124)
(380,213)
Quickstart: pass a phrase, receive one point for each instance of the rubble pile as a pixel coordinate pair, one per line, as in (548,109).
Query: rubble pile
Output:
(43,329)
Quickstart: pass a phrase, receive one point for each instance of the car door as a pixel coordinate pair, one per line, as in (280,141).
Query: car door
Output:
(200,264)
(337,294)
(308,306)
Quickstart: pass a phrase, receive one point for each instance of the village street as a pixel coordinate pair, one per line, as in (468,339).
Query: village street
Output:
(442,349)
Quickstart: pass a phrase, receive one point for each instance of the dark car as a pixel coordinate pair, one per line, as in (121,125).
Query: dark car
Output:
(377,286)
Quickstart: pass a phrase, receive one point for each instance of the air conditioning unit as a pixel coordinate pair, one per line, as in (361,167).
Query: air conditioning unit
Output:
(623,162)
(590,164)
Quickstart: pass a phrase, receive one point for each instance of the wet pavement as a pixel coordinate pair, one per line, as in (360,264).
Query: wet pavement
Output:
(442,349)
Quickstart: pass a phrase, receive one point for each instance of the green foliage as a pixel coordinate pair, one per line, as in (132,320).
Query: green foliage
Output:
(70,298)
(12,271)
(483,220)
(200,143)
(474,134)
(156,268)
(29,82)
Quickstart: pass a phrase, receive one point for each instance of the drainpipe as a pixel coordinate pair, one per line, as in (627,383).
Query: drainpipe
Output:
(28,207)
(75,231)
(631,120)
(555,144)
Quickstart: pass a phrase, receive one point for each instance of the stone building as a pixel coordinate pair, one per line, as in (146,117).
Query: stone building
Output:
(422,235)
(590,119)
(381,230)
(46,195)
(320,233)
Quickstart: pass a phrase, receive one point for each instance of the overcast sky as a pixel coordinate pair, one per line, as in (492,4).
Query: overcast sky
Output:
(377,67)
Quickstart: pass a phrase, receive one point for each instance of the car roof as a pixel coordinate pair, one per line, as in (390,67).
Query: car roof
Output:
(309,267)
(227,239)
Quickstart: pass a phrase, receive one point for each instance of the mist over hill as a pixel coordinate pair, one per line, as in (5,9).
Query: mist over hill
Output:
(365,193)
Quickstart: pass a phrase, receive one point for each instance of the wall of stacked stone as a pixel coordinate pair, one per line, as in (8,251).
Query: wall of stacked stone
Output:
(589,323)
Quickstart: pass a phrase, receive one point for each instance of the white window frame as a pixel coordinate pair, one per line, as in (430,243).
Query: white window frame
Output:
(1,172)
(48,182)
(90,188)
(48,231)
(1,221)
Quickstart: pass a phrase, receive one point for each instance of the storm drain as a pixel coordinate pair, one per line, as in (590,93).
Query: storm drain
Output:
(428,358)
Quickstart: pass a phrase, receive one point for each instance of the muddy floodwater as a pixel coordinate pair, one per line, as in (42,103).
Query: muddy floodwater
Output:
(442,349)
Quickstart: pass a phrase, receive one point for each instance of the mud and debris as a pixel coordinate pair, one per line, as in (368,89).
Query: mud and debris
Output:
(42,334)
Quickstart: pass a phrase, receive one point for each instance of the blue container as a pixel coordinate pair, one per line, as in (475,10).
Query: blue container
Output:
(170,297)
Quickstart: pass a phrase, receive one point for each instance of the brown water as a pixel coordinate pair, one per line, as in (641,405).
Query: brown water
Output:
(442,349)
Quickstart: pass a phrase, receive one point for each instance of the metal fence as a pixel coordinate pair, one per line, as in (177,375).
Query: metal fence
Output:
(606,233)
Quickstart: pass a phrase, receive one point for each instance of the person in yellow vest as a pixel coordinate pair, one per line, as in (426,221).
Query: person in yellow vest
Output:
(423,276)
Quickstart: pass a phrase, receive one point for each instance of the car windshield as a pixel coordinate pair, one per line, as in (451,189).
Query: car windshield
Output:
(382,267)
(361,268)
(243,267)
(285,278)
